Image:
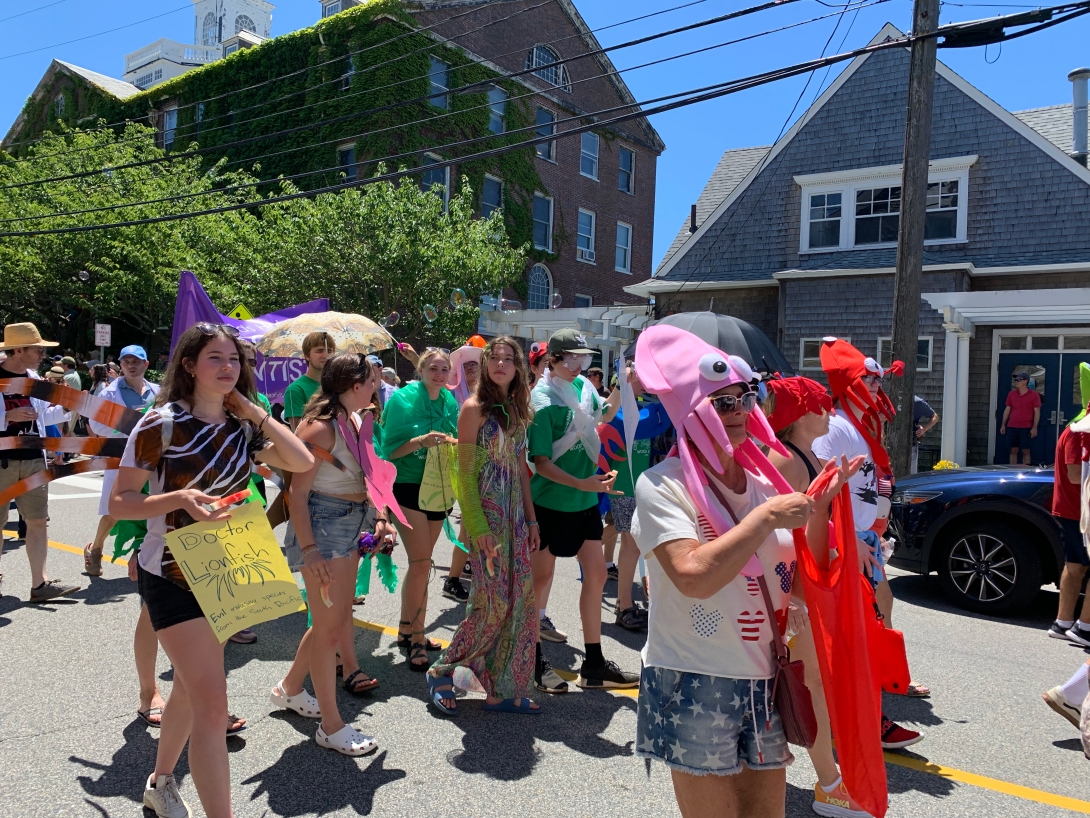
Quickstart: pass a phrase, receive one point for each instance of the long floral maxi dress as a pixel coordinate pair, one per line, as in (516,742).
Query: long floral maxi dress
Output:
(496,640)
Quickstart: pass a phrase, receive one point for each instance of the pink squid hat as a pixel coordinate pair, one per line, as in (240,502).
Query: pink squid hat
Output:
(682,370)
(456,382)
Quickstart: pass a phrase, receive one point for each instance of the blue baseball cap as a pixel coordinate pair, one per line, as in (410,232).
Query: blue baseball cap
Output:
(135,351)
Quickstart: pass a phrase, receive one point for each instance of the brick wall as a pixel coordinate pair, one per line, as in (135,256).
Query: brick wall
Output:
(506,44)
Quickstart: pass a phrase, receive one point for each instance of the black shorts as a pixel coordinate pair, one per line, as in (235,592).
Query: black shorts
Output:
(1018,438)
(408,497)
(564,532)
(1074,547)
(168,604)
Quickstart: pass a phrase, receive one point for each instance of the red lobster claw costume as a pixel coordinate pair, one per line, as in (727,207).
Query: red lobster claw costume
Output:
(682,370)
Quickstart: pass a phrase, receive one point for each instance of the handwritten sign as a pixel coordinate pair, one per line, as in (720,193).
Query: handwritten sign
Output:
(236,570)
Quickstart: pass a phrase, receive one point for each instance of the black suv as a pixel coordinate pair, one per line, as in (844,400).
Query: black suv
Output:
(988,531)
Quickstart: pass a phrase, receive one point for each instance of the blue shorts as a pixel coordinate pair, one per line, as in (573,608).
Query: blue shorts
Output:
(709,725)
(872,539)
(1017,438)
(1074,545)
(336,524)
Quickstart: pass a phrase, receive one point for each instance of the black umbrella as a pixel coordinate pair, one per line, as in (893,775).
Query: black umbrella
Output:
(733,336)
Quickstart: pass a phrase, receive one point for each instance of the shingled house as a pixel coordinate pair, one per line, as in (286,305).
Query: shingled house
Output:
(800,238)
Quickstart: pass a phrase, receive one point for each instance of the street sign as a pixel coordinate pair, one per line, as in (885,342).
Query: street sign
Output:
(240,312)
(102,335)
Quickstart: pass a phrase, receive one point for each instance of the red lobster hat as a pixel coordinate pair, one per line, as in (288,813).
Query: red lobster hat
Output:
(845,367)
(796,397)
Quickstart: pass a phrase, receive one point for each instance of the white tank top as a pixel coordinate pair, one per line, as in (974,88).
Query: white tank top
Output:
(330,479)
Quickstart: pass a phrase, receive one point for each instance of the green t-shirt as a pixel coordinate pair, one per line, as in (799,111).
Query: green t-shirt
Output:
(641,461)
(409,413)
(298,394)
(264,402)
(549,424)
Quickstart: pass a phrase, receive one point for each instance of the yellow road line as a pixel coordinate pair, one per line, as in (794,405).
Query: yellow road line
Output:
(917,764)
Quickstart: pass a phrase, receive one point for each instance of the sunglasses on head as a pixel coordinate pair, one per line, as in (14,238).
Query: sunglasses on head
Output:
(208,328)
(729,403)
(437,349)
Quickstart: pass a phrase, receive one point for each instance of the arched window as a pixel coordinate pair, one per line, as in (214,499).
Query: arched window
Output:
(210,31)
(543,58)
(244,23)
(539,292)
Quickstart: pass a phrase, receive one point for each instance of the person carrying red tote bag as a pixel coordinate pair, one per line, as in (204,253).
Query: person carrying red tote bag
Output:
(838,615)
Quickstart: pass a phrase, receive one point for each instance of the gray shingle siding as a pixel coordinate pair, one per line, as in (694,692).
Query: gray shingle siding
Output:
(1023,208)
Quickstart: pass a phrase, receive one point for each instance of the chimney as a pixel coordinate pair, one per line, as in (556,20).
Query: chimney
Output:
(1078,79)
(692,210)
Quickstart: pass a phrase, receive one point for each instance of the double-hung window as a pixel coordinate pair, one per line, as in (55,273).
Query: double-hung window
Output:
(439,76)
(584,240)
(543,222)
(346,159)
(810,352)
(923,352)
(435,180)
(626,174)
(860,209)
(588,155)
(491,196)
(546,126)
(170,125)
(623,261)
(497,109)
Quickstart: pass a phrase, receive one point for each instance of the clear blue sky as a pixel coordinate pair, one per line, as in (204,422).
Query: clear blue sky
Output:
(1026,73)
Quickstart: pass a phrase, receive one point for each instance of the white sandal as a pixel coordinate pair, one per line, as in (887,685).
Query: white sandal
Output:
(347,740)
(302,703)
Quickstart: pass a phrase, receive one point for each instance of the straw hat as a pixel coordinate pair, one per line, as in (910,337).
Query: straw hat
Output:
(24,335)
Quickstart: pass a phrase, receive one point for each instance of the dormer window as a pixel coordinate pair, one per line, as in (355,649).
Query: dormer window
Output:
(544,59)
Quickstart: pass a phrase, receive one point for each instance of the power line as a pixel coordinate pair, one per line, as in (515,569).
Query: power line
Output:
(235,123)
(126,205)
(402,103)
(31,11)
(99,34)
(691,97)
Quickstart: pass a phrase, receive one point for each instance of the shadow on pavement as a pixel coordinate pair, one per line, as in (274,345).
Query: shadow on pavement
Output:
(918,712)
(128,770)
(905,779)
(925,592)
(1074,744)
(102,591)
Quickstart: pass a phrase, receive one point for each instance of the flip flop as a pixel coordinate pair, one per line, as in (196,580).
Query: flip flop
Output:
(232,730)
(918,691)
(145,714)
(351,686)
(509,706)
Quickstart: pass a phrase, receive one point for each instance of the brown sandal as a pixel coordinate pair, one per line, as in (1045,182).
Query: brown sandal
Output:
(92,562)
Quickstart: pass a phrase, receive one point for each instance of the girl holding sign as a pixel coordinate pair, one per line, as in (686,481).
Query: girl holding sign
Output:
(417,418)
(329,508)
(197,445)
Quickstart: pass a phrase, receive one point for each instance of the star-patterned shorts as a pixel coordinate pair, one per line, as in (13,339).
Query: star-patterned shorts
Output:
(709,725)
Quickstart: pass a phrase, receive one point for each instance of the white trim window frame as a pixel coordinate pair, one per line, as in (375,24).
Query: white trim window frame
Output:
(429,186)
(583,301)
(491,205)
(622,262)
(889,356)
(584,236)
(539,293)
(590,148)
(541,224)
(874,194)
(814,359)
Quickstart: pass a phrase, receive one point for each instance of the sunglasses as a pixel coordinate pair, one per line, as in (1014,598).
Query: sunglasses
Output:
(437,349)
(252,362)
(208,328)
(872,379)
(723,404)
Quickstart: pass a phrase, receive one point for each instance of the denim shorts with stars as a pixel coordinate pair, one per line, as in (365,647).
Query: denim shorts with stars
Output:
(709,725)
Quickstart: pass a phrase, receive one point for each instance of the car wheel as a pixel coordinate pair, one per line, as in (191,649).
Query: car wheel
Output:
(988,567)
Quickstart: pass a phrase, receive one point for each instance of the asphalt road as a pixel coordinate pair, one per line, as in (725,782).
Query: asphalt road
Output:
(70,744)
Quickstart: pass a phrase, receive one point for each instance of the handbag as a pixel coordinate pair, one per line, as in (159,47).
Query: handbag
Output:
(889,661)
(790,695)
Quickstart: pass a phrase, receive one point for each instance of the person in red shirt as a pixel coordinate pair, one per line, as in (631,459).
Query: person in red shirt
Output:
(1071,451)
(1020,417)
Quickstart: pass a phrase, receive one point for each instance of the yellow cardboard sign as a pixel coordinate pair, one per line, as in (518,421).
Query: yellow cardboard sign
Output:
(241,313)
(436,491)
(236,570)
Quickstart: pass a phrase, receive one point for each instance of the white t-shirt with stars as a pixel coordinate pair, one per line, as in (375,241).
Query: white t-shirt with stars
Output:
(730,633)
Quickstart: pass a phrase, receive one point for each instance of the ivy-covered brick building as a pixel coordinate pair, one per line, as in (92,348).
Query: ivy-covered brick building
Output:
(381,79)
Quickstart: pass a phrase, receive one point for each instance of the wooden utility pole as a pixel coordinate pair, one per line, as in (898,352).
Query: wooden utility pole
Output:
(910,234)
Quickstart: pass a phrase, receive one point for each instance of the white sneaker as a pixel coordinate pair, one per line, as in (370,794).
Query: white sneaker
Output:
(161,796)
(347,740)
(1055,699)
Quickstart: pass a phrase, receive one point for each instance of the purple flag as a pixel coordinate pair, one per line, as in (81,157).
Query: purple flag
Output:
(273,374)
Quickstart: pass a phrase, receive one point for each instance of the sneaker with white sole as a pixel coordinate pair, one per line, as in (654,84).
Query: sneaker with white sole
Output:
(348,741)
(548,680)
(1057,631)
(54,588)
(1056,699)
(606,676)
(161,796)
(838,803)
(896,737)
(549,632)
(1078,634)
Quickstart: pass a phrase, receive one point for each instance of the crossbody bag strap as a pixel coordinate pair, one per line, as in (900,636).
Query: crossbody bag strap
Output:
(778,647)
